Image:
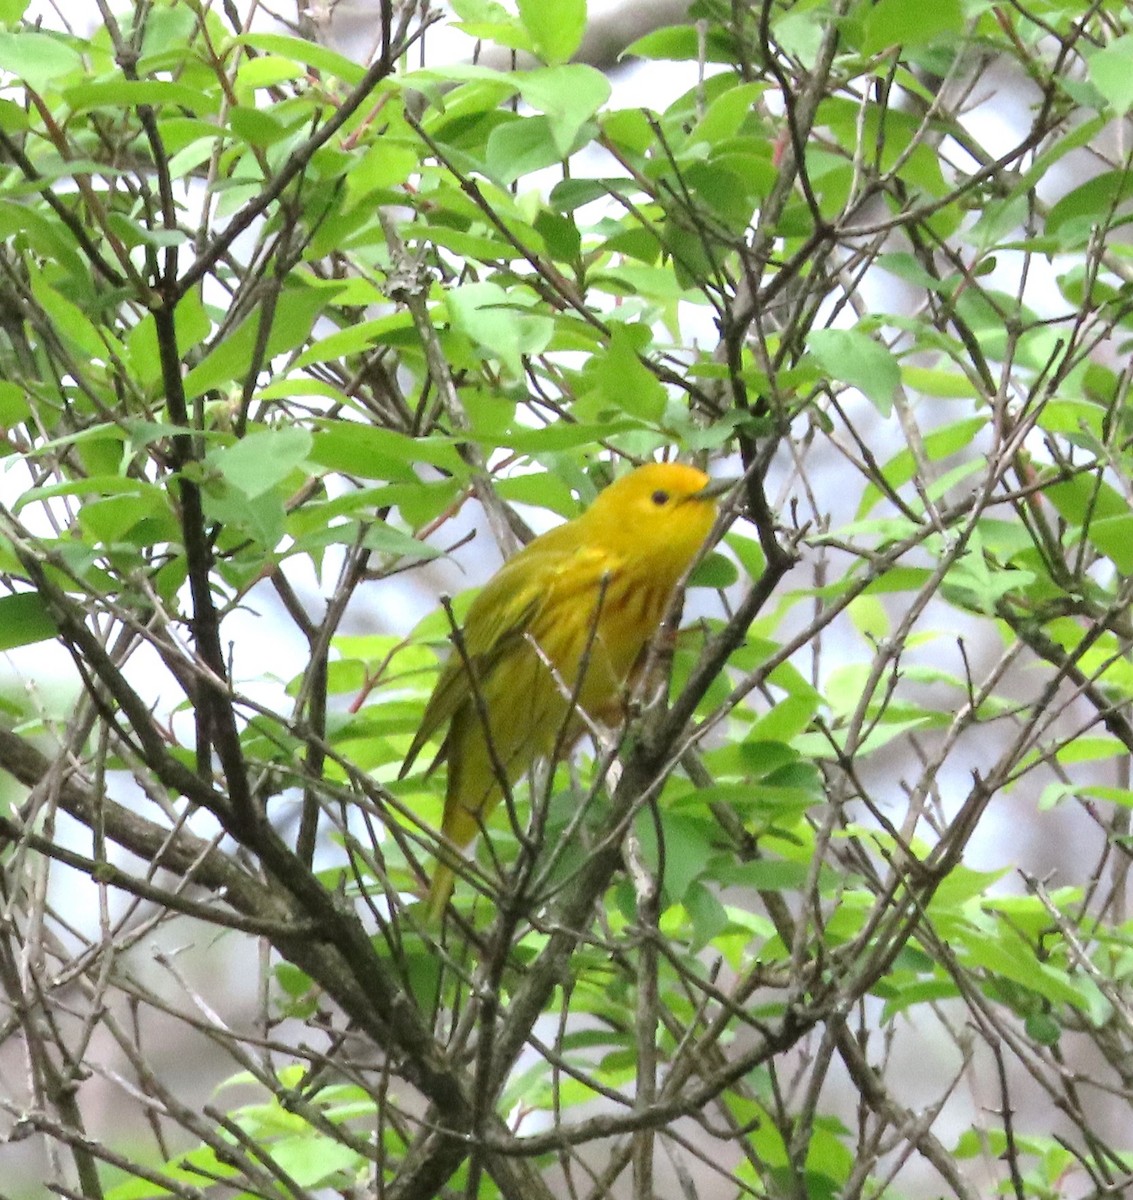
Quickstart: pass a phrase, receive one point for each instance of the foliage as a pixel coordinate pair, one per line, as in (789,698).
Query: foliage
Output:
(851,893)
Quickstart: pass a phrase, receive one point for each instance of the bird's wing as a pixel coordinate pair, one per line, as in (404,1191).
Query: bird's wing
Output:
(500,615)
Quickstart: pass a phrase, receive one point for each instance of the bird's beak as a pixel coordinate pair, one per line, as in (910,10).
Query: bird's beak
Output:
(714,489)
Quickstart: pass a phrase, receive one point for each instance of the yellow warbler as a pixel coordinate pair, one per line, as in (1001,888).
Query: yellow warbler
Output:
(583,597)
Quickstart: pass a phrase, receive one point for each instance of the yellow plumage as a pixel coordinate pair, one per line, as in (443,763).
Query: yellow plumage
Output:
(593,592)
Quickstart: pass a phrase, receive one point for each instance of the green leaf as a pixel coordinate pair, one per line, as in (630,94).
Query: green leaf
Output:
(129,93)
(910,23)
(260,518)
(387,164)
(1008,955)
(1054,793)
(13,119)
(256,74)
(14,406)
(556,29)
(193,326)
(1041,1027)
(1111,72)
(1113,536)
(1085,498)
(789,717)
(21,221)
(255,125)
(907,267)
(68,319)
(560,235)
(727,114)
(716,571)
(620,381)
(1094,205)
(798,34)
(303,50)
(903,467)
(961,885)
(261,460)
(229,360)
(146,518)
(688,847)
(520,146)
(25,618)
(568,96)
(491,22)
(354,339)
(187,1167)
(977,582)
(773,875)
(684,43)
(385,539)
(314,1161)
(482,92)
(569,194)
(505,324)
(708,915)
(853,357)
(90,485)
(930,381)
(38,57)
(543,490)
(1089,749)
(373,453)
(899,997)
(869,617)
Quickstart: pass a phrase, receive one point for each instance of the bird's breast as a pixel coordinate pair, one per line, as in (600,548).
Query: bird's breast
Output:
(595,633)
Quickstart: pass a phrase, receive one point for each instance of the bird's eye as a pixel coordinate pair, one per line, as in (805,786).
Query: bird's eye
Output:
(660,498)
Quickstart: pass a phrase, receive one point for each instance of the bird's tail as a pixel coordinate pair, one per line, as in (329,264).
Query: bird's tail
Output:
(460,826)
(439,891)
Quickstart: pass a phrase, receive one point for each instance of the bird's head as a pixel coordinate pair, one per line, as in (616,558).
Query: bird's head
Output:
(660,514)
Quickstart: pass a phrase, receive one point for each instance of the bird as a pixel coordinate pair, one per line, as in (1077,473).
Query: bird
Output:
(552,640)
